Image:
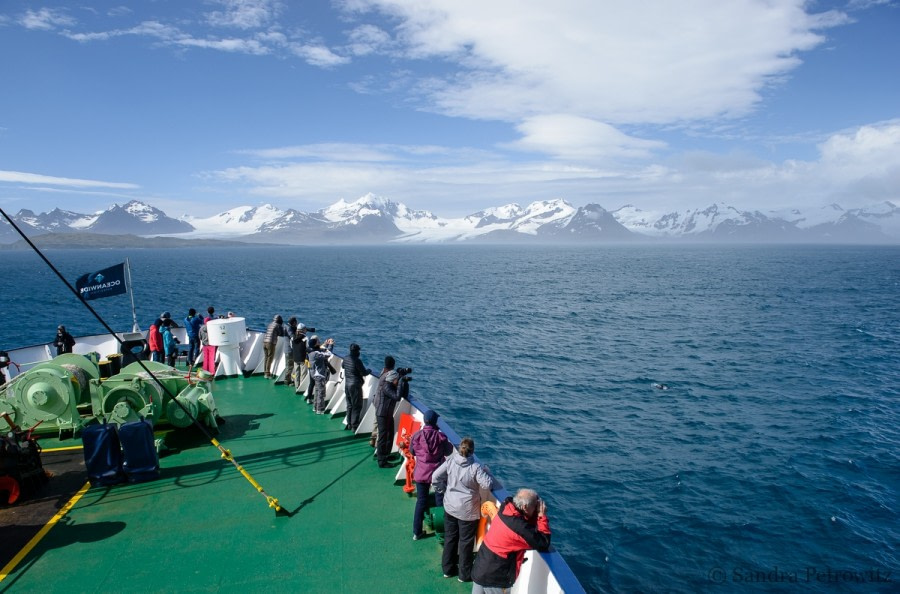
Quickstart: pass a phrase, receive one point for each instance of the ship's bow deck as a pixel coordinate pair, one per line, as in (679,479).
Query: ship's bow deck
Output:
(202,527)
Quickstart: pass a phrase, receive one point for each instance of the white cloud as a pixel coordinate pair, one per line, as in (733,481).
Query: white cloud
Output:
(35,178)
(244,14)
(874,147)
(119,11)
(173,36)
(865,4)
(366,153)
(580,139)
(318,55)
(328,151)
(46,19)
(259,43)
(855,168)
(243,46)
(368,39)
(655,61)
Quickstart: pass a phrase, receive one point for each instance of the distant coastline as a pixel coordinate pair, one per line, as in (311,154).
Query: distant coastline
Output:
(102,241)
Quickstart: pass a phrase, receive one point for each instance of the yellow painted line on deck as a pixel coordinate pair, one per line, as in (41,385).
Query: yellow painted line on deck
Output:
(43,532)
(64,449)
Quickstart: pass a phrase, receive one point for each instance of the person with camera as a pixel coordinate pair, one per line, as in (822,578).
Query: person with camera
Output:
(354,376)
(63,342)
(460,479)
(298,356)
(389,392)
(520,525)
(319,369)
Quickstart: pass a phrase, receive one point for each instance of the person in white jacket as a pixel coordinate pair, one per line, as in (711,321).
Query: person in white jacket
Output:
(461,479)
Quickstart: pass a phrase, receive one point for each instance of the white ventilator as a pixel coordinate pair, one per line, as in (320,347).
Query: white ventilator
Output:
(227,334)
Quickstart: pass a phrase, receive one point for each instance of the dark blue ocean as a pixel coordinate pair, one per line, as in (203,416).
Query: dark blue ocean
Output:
(771,462)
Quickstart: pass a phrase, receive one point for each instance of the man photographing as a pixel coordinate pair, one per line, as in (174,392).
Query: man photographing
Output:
(388,393)
(521,524)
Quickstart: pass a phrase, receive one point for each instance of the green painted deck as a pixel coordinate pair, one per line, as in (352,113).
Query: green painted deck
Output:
(203,528)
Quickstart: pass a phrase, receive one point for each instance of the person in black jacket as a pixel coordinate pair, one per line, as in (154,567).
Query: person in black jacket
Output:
(4,363)
(298,354)
(64,341)
(387,395)
(290,332)
(354,377)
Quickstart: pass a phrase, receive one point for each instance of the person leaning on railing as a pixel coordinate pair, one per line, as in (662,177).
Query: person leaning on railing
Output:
(270,341)
(520,525)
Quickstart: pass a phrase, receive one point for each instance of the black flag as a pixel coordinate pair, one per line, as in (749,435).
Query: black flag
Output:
(104,283)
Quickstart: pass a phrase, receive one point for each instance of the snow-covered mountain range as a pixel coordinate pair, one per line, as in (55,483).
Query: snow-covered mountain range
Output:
(373,219)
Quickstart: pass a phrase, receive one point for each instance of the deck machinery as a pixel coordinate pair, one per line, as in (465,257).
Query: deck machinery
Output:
(67,393)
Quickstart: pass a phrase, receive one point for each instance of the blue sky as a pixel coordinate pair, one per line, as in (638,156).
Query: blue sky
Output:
(449,105)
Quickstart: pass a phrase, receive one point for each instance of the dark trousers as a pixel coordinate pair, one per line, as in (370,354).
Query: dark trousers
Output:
(421,505)
(354,404)
(193,349)
(385,435)
(459,546)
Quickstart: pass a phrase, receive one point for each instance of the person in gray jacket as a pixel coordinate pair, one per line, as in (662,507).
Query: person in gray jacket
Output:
(461,479)
(319,369)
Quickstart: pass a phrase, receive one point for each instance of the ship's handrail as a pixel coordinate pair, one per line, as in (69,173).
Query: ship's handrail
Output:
(542,573)
(546,572)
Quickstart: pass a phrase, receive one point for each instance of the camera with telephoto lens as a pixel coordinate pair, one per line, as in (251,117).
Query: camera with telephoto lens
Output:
(404,372)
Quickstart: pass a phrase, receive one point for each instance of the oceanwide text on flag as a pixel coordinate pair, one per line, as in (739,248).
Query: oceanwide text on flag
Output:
(104,283)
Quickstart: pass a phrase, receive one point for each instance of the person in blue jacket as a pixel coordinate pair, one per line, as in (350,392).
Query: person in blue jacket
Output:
(170,343)
(192,324)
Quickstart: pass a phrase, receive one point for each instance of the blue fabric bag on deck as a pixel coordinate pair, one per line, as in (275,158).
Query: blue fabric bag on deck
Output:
(102,455)
(141,460)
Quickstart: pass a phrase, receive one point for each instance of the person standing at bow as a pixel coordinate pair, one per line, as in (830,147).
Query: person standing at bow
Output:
(192,324)
(520,524)
(429,446)
(319,369)
(155,341)
(63,341)
(170,343)
(270,342)
(461,479)
(354,377)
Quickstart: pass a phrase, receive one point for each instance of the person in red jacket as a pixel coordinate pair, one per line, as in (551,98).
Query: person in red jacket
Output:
(154,339)
(521,524)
